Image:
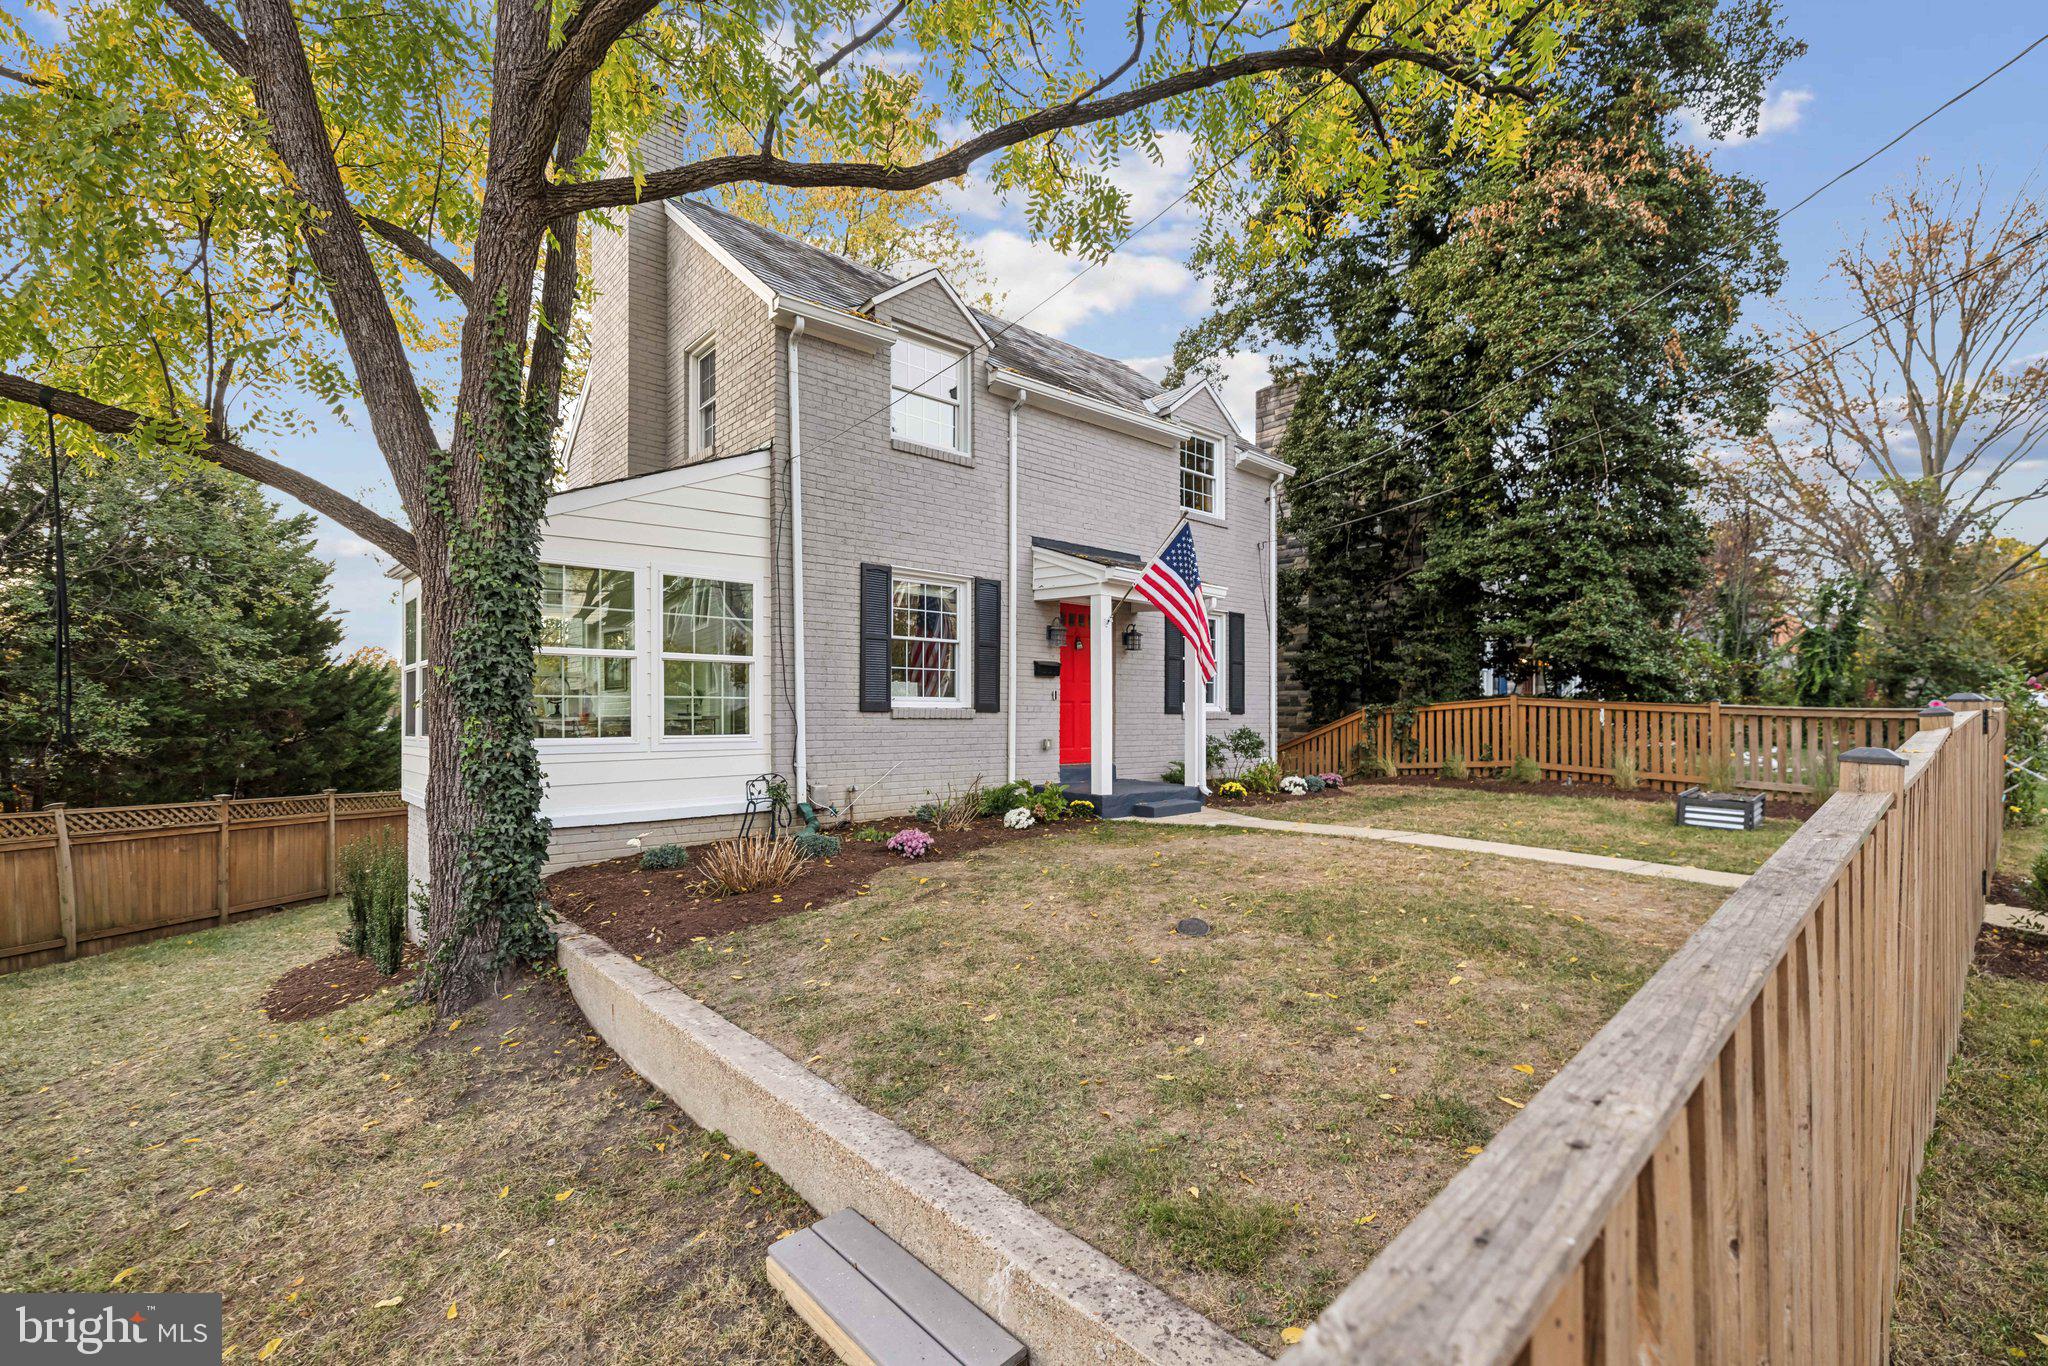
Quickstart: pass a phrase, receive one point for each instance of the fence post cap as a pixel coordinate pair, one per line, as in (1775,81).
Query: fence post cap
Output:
(1873,754)
(1967,697)
(1936,709)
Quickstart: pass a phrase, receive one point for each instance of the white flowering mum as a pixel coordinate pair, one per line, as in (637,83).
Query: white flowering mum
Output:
(1019,818)
(1294,786)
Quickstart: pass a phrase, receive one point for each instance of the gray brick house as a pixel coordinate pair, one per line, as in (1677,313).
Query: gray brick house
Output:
(826,523)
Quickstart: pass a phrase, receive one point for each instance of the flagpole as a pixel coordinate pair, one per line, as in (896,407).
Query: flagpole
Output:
(1149,558)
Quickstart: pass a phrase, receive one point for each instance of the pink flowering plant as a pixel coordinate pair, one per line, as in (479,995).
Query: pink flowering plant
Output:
(1332,779)
(911,843)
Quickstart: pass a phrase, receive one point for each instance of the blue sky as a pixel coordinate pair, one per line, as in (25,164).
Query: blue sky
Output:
(1872,68)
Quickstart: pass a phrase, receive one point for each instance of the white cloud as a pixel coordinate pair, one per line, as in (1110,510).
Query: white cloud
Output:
(1055,293)
(1783,110)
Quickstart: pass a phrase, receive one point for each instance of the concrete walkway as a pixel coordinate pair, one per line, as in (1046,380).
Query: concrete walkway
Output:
(1606,863)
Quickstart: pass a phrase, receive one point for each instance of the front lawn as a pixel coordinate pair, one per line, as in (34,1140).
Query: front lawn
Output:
(1243,1117)
(1974,1286)
(367,1186)
(1590,825)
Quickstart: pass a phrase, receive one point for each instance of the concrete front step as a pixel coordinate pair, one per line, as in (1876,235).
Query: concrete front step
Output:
(1159,799)
(1172,806)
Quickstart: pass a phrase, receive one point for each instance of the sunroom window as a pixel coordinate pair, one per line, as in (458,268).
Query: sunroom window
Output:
(583,679)
(413,665)
(707,654)
(926,388)
(925,642)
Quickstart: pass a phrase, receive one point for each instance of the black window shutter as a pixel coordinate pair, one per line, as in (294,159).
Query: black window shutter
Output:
(874,637)
(1176,669)
(988,645)
(1237,663)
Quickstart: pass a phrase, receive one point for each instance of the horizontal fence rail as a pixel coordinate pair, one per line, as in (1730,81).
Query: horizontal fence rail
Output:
(84,880)
(1723,1172)
(1791,750)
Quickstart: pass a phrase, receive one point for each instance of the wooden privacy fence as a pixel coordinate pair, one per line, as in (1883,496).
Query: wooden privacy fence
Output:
(96,878)
(1675,745)
(1723,1173)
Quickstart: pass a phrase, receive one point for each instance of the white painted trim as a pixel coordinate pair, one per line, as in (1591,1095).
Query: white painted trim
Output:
(963,622)
(1273,618)
(1102,694)
(1218,451)
(928,277)
(663,481)
(694,447)
(1006,383)
(1010,607)
(963,434)
(753,282)
(575,422)
(1260,462)
(1180,396)
(832,324)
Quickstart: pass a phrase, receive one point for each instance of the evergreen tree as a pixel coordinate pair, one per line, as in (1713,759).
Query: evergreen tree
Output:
(1503,378)
(202,645)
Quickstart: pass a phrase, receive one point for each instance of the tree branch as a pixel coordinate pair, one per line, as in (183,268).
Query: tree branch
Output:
(13,74)
(823,67)
(220,35)
(956,160)
(558,276)
(389,537)
(422,251)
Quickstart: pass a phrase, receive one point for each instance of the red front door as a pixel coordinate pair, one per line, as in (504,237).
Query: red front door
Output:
(1075,686)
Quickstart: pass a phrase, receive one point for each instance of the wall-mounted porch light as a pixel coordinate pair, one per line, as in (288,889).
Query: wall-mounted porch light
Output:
(1132,640)
(1056,632)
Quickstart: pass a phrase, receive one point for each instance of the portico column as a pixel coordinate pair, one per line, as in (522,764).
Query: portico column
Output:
(1102,695)
(1194,712)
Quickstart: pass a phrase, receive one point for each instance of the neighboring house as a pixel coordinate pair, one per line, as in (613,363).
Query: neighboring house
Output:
(829,524)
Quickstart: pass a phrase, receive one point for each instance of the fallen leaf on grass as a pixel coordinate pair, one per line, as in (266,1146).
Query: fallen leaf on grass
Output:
(451,1310)
(1525,1069)
(269,1349)
(391,1303)
(125,1273)
(1505,1101)
(504,1191)
(991,1017)
(1475,1150)
(564,1195)
(1290,1336)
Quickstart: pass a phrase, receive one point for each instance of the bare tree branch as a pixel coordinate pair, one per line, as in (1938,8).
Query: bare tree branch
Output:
(956,160)
(389,537)
(558,277)
(422,251)
(219,34)
(824,66)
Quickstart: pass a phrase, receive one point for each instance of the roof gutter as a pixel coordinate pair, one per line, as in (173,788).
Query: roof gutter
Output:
(796,558)
(1132,422)
(833,324)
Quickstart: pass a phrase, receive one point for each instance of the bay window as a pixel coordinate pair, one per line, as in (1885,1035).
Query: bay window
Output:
(707,654)
(583,678)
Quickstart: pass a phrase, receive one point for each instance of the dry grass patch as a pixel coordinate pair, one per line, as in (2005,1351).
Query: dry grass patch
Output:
(1245,1117)
(1589,825)
(367,1186)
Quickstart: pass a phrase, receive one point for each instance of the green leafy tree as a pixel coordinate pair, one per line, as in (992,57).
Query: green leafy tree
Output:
(1829,670)
(202,645)
(1502,375)
(219,223)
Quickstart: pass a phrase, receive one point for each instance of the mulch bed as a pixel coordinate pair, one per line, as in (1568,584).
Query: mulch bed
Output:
(327,984)
(1775,806)
(2012,953)
(636,911)
(2011,889)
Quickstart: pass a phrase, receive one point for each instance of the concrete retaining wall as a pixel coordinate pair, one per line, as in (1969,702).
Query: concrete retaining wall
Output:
(1063,1298)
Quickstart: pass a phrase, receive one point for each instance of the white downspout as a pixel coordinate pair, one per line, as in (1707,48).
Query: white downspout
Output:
(1010,750)
(796,555)
(1273,617)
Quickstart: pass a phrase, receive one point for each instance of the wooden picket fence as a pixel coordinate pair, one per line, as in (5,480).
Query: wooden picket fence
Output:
(1762,749)
(1724,1172)
(85,880)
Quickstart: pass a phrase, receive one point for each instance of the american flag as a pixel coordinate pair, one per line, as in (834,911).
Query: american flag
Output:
(1173,584)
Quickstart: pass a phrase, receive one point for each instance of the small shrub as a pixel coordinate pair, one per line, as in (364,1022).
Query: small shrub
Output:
(1622,768)
(1331,779)
(869,834)
(911,843)
(1004,798)
(1525,769)
(1454,767)
(1378,766)
(1294,785)
(1175,773)
(1081,808)
(1262,778)
(924,811)
(1048,803)
(737,866)
(374,879)
(816,844)
(1019,818)
(1233,788)
(1315,783)
(663,856)
(2040,871)
(1825,778)
(1244,746)
(953,809)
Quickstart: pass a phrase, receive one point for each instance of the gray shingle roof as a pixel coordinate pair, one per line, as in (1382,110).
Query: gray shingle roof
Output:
(1118,559)
(803,271)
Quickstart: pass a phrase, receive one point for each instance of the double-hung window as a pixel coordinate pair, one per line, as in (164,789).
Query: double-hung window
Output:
(414,667)
(927,395)
(927,651)
(707,656)
(1210,697)
(704,401)
(583,679)
(1199,488)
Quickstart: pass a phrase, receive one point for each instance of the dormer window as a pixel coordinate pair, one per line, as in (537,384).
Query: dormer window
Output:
(1200,490)
(928,385)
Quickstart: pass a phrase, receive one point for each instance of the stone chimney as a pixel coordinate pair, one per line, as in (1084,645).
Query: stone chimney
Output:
(1274,406)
